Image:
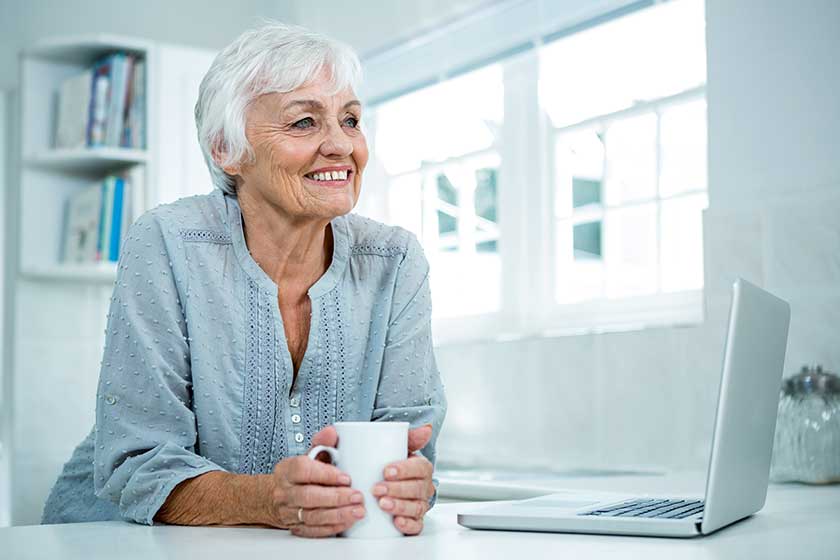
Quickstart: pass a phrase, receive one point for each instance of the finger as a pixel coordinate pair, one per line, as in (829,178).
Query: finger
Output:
(327,436)
(408,526)
(303,470)
(414,467)
(419,437)
(332,516)
(311,496)
(407,489)
(404,508)
(320,531)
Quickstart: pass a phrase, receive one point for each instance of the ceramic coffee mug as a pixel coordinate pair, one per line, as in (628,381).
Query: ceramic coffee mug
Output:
(364,450)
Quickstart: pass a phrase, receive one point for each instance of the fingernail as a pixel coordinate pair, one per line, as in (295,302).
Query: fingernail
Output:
(386,503)
(390,472)
(380,490)
(357,499)
(400,521)
(344,479)
(359,512)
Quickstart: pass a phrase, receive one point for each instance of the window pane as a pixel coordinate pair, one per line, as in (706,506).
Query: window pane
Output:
(446,192)
(455,117)
(643,56)
(465,260)
(486,196)
(465,286)
(587,241)
(486,210)
(579,170)
(683,144)
(576,280)
(630,251)
(585,192)
(405,203)
(682,243)
(631,160)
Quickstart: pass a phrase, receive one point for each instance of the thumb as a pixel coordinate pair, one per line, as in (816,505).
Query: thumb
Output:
(419,437)
(327,436)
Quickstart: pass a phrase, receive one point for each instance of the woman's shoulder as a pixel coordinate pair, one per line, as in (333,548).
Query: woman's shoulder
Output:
(199,215)
(367,236)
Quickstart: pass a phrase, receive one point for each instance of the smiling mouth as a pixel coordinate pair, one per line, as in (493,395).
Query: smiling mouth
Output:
(330,178)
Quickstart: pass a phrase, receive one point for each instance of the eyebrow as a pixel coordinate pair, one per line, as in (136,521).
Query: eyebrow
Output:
(312,103)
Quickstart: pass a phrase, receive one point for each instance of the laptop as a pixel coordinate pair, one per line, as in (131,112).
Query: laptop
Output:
(742,445)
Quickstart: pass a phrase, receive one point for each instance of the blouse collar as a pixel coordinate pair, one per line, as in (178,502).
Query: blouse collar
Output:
(330,278)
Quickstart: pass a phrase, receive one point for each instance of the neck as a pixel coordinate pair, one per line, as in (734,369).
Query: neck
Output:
(294,253)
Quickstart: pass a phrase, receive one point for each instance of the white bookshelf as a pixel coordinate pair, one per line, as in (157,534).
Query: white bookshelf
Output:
(49,176)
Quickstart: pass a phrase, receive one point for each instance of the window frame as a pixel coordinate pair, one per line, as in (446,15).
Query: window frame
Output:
(527,229)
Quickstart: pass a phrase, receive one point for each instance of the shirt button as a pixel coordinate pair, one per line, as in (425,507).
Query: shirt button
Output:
(296,418)
(111,399)
(295,401)
(299,438)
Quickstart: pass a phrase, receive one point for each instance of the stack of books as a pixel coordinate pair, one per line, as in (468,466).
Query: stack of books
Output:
(104,106)
(97,217)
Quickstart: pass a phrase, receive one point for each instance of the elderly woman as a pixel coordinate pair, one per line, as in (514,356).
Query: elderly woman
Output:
(245,322)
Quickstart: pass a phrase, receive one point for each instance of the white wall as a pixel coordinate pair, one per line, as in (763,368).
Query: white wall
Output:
(4,411)
(648,398)
(210,24)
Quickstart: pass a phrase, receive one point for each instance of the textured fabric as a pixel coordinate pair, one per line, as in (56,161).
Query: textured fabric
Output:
(196,374)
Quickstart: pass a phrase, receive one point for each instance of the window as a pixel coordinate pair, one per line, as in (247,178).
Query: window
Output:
(601,165)
(629,155)
(438,147)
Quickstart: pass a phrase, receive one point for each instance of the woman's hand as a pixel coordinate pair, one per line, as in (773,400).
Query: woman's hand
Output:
(311,498)
(407,487)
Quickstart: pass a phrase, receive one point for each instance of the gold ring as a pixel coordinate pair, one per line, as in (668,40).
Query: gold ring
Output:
(300,515)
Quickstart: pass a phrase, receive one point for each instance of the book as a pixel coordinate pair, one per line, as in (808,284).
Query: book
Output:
(101,86)
(135,126)
(116,219)
(127,212)
(107,214)
(74,95)
(81,229)
(121,70)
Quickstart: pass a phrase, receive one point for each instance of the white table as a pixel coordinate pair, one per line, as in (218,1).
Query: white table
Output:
(800,522)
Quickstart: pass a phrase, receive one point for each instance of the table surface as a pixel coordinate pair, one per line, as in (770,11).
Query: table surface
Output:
(798,521)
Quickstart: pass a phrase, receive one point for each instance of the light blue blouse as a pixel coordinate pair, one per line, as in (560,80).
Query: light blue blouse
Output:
(196,374)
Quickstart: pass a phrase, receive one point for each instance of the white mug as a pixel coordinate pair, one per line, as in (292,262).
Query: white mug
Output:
(364,450)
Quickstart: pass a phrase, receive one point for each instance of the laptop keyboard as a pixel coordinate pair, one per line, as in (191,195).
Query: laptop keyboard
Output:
(659,509)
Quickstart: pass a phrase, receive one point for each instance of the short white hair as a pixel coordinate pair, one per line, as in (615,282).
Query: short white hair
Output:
(272,58)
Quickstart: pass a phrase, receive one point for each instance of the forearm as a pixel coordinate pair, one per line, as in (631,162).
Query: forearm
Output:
(219,498)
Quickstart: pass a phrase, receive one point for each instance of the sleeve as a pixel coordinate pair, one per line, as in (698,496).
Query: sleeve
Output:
(410,387)
(145,427)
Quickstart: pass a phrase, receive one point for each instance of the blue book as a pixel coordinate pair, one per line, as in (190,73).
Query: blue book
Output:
(100,237)
(116,220)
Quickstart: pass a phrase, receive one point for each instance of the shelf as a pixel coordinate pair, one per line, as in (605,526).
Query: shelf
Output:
(87,160)
(85,49)
(94,272)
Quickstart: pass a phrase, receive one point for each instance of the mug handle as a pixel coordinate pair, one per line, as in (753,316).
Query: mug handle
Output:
(331,451)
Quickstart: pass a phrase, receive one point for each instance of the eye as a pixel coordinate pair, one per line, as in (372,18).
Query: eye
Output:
(351,121)
(303,124)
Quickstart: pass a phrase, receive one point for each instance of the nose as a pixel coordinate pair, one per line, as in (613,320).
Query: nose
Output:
(336,143)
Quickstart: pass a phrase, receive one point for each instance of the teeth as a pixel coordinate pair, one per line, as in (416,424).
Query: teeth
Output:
(330,175)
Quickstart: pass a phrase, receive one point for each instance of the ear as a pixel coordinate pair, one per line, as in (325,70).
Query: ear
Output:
(219,153)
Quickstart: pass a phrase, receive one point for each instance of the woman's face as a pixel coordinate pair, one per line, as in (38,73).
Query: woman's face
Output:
(309,152)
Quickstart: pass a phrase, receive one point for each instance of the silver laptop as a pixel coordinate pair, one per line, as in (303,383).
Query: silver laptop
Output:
(739,467)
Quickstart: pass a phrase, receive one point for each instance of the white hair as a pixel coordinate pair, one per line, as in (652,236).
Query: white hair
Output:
(272,58)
